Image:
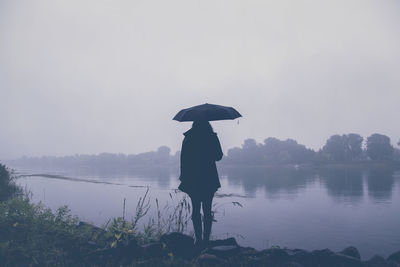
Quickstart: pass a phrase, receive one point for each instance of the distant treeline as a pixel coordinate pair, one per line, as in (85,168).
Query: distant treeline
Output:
(338,148)
(104,162)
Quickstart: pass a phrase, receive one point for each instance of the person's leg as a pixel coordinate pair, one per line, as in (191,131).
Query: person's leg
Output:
(196,219)
(208,218)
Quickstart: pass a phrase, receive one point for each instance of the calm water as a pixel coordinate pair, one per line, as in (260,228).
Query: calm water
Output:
(292,208)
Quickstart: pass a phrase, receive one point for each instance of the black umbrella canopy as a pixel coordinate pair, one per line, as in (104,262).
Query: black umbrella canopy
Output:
(208,112)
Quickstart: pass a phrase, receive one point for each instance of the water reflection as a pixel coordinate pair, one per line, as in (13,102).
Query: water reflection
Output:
(342,184)
(273,181)
(380,183)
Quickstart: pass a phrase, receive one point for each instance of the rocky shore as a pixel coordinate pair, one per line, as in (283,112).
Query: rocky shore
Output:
(177,249)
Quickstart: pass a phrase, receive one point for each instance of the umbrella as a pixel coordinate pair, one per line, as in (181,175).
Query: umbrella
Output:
(208,112)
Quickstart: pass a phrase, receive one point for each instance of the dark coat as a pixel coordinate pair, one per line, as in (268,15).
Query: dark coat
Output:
(199,152)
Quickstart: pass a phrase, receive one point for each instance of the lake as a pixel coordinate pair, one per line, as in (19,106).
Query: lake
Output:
(287,207)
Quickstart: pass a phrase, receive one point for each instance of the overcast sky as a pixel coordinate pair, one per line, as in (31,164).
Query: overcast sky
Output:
(91,76)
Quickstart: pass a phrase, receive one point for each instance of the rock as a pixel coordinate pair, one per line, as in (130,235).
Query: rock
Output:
(101,254)
(254,260)
(326,258)
(123,253)
(90,227)
(249,251)
(277,255)
(132,249)
(94,231)
(273,257)
(92,244)
(223,251)
(292,252)
(299,255)
(376,261)
(2,254)
(351,252)
(179,244)
(395,257)
(209,260)
(223,242)
(153,250)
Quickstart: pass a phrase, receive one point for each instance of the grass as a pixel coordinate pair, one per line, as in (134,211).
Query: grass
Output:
(174,216)
(34,235)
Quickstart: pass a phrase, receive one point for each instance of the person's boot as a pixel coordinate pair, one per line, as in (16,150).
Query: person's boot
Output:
(207,229)
(197,230)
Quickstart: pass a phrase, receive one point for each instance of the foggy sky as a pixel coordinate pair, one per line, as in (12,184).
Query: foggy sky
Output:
(93,76)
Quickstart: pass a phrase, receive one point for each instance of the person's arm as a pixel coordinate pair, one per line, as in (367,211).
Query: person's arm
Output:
(218,150)
(183,160)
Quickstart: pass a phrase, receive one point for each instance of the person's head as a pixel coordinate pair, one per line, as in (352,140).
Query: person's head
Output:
(202,126)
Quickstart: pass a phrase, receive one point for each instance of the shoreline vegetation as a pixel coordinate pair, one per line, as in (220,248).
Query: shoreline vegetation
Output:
(34,235)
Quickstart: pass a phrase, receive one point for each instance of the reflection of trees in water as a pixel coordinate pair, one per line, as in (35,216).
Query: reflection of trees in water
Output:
(272,180)
(380,183)
(162,176)
(159,174)
(343,183)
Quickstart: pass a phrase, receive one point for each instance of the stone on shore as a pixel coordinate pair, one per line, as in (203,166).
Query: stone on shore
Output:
(395,257)
(223,242)
(180,245)
(153,250)
(376,261)
(209,259)
(223,251)
(325,257)
(351,252)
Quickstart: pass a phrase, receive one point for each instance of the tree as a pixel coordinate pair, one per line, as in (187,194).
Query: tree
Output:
(249,144)
(287,151)
(163,151)
(235,155)
(335,148)
(251,152)
(343,147)
(163,154)
(379,147)
(354,145)
(270,150)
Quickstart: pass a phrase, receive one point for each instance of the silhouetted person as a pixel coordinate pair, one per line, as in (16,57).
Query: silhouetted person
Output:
(199,176)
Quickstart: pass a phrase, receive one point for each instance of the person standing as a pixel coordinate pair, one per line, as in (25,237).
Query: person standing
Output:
(199,176)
